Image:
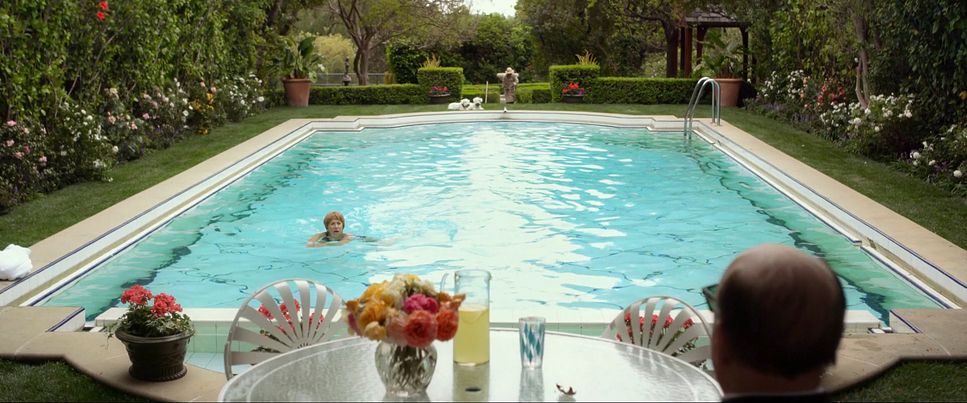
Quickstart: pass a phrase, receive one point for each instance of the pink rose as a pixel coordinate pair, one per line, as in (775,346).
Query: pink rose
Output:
(420,302)
(11,123)
(18,155)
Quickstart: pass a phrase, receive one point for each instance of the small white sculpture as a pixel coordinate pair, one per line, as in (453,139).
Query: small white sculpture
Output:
(477,103)
(463,105)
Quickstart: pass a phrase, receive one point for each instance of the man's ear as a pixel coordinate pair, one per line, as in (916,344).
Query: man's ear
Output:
(720,347)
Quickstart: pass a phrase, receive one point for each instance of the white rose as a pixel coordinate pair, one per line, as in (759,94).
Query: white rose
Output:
(958,174)
(932,162)
(915,155)
(114,149)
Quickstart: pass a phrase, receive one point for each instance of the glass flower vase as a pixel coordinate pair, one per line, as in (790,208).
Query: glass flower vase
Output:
(405,371)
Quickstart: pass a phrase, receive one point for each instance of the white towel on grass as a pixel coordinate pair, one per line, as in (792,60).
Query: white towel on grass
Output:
(14,262)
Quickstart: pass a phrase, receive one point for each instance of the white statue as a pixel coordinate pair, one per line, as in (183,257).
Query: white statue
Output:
(509,83)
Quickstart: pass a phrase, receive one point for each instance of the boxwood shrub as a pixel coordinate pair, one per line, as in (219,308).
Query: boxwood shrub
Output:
(562,75)
(635,90)
(450,77)
(525,93)
(368,94)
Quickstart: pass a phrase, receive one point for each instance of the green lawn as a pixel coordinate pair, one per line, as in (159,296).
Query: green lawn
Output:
(925,204)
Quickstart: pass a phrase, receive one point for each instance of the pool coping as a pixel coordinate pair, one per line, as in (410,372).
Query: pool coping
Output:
(89,353)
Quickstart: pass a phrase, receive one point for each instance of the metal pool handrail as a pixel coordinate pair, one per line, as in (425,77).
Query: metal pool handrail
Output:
(693,102)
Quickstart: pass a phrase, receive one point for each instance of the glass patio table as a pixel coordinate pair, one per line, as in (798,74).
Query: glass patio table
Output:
(597,369)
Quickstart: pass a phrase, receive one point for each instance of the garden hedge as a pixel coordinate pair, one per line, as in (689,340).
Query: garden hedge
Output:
(526,93)
(561,75)
(634,90)
(450,77)
(368,94)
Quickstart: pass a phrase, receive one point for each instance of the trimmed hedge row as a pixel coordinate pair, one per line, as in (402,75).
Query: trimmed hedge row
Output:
(632,90)
(450,77)
(528,93)
(562,75)
(368,94)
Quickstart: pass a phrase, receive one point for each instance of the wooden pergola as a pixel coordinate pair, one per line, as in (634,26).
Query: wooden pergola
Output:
(701,21)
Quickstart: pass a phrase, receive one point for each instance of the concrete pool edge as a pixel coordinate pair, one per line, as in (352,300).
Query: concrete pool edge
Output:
(57,258)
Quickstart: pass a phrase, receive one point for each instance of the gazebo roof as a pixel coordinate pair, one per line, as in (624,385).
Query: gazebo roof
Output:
(710,18)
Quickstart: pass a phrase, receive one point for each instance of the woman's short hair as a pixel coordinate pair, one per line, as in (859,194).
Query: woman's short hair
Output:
(781,310)
(333,215)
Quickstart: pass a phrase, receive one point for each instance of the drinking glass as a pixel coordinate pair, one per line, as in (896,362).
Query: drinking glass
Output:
(532,341)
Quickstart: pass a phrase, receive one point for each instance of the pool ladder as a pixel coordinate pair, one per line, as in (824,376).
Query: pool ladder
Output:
(696,95)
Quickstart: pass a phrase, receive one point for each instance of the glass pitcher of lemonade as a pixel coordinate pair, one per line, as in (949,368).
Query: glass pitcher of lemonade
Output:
(471,345)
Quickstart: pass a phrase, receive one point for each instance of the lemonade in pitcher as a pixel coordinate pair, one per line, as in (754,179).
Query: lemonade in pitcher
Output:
(472,342)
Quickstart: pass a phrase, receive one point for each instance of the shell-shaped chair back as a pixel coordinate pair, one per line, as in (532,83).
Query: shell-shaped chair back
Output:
(664,324)
(282,316)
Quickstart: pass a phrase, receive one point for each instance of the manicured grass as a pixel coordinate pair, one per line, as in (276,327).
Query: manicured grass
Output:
(914,381)
(53,381)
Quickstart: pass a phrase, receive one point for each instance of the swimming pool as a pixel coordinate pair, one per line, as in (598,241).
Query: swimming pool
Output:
(563,215)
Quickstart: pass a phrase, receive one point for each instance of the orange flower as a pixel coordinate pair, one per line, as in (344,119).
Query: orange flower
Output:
(420,329)
(447,321)
(375,311)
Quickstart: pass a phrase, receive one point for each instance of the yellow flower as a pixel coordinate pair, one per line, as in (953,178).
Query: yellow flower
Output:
(374,311)
(374,331)
(374,291)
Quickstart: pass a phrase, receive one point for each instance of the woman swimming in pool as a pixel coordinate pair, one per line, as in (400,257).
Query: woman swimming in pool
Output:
(334,235)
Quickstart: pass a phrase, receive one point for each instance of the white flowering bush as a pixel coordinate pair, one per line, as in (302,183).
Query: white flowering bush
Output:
(79,150)
(943,159)
(164,113)
(23,161)
(883,128)
(125,132)
(243,97)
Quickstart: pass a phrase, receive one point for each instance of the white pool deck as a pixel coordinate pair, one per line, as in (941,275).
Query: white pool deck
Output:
(30,333)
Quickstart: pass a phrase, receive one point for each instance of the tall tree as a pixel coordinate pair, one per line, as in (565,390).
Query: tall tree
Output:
(372,23)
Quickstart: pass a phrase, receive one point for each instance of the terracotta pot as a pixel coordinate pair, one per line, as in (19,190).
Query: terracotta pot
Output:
(297,91)
(440,99)
(572,99)
(730,90)
(156,359)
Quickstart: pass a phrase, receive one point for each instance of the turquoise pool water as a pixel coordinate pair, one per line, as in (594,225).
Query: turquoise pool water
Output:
(563,215)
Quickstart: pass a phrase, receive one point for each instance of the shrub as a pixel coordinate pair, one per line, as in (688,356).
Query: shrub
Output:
(450,77)
(629,90)
(562,75)
(943,159)
(368,94)
(23,158)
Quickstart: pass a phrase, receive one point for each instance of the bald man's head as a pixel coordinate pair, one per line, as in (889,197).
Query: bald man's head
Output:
(781,310)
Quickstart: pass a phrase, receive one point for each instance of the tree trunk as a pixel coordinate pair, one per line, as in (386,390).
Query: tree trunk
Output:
(362,65)
(671,48)
(863,59)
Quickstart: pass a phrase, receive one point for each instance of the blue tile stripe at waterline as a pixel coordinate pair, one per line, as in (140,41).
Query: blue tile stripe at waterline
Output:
(563,215)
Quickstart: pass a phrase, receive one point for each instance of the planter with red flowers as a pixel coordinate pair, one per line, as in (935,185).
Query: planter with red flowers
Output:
(156,336)
(573,93)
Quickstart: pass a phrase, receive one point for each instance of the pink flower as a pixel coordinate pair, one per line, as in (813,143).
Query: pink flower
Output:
(146,116)
(396,329)
(417,302)
(100,15)
(18,155)
(26,149)
(103,5)
(420,329)
(134,126)
(42,160)
(137,295)
(9,143)
(11,123)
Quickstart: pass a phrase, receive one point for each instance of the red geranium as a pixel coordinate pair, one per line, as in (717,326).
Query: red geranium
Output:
(573,90)
(163,318)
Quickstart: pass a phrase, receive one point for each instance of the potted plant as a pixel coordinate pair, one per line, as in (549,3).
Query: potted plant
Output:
(300,65)
(439,94)
(156,337)
(573,93)
(722,61)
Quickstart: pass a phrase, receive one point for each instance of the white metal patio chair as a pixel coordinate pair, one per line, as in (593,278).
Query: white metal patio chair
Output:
(285,315)
(664,324)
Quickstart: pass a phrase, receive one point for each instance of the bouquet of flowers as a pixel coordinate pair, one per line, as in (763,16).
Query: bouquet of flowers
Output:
(162,318)
(438,90)
(405,311)
(573,90)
